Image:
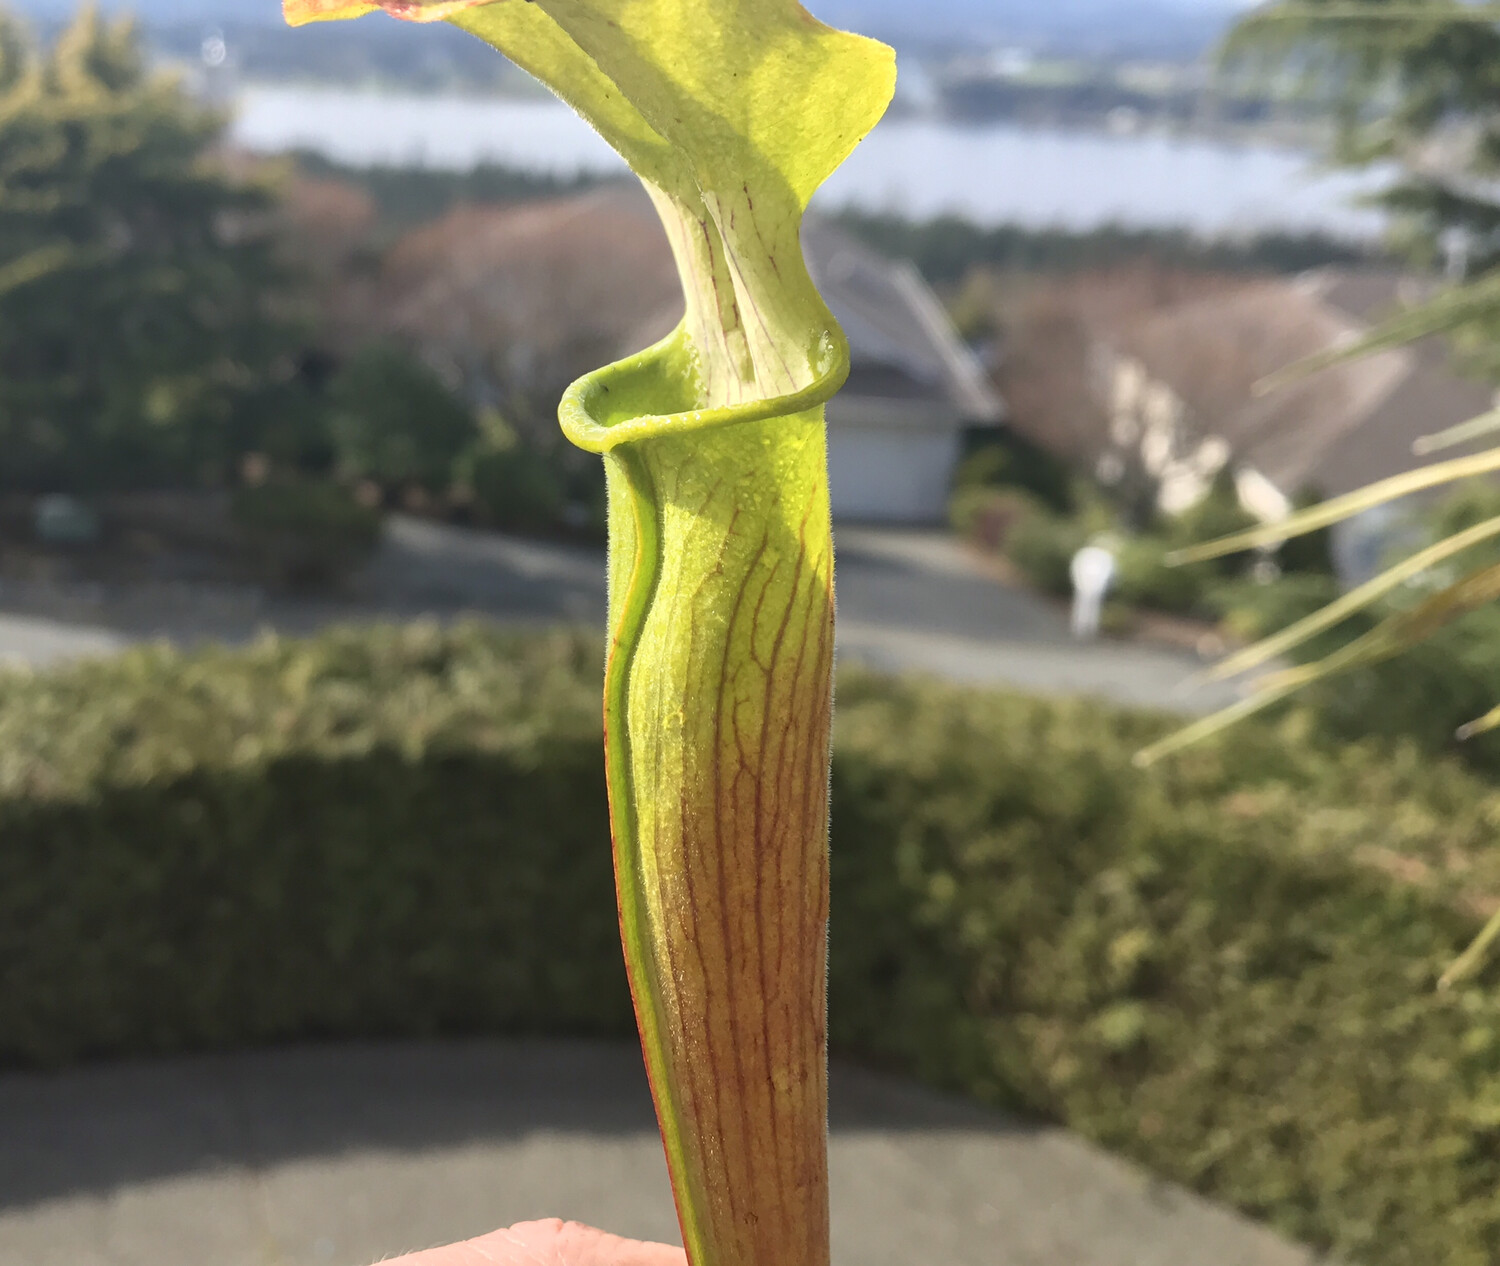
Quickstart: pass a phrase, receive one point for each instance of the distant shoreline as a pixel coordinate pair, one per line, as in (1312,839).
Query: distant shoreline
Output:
(912,167)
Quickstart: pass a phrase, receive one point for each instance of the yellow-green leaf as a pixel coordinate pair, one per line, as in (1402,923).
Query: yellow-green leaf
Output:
(1355,600)
(1463,433)
(1340,508)
(1393,635)
(718,692)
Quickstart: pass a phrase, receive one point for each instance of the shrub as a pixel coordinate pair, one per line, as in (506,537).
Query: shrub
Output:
(1467,505)
(304,534)
(1424,694)
(1042,546)
(1311,553)
(987,516)
(517,489)
(1225,972)
(373,833)
(518,484)
(1223,967)
(1215,515)
(1008,460)
(395,422)
(1143,578)
(1252,611)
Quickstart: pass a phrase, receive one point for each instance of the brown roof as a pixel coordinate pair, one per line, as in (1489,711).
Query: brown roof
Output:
(901,340)
(1046,360)
(1334,430)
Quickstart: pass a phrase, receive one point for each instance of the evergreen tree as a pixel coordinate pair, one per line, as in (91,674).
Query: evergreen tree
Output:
(1415,84)
(139,337)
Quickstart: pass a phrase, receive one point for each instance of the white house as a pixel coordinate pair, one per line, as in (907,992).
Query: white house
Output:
(1184,396)
(896,431)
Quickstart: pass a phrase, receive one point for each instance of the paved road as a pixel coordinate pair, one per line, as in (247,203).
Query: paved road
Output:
(908,601)
(342,1156)
(38,641)
(923,602)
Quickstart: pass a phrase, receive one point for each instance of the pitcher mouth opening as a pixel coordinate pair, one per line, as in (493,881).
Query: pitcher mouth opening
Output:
(655,393)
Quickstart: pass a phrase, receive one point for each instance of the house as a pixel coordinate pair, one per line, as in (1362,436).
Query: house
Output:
(536,293)
(1182,400)
(896,431)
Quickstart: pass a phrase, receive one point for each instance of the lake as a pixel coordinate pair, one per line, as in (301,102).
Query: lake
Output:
(992,175)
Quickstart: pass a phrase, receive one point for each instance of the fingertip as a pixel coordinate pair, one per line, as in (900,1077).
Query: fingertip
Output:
(548,1242)
(587,1246)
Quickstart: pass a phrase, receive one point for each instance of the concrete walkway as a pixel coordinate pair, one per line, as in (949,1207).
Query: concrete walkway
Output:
(343,1156)
(40,641)
(908,601)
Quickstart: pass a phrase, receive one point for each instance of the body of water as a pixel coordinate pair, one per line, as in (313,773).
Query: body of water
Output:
(992,175)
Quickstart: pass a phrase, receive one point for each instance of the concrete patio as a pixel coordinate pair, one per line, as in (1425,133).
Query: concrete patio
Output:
(342,1156)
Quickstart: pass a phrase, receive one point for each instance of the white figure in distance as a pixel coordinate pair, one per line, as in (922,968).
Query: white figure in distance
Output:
(1092,572)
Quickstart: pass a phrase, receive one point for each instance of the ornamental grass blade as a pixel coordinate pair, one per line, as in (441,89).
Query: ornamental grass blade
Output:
(1280,25)
(1484,725)
(39,263)
(1355,600)
(1447,311)
(1474,429)
(1340,508)
(718,690)
(1272,690)
(1473,958)
(1390,637)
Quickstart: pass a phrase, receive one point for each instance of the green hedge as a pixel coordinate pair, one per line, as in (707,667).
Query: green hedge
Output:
(304,535)
(1223,968)
(369,834)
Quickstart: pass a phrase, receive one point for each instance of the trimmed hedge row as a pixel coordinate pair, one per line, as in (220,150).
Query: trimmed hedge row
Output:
(391,832)
(1223,968)
(1226,971)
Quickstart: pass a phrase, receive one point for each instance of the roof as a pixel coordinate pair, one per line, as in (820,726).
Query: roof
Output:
(900,338)
(598,263)
(1335,430)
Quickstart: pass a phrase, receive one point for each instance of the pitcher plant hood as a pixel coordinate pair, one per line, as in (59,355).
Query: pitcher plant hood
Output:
(718,689)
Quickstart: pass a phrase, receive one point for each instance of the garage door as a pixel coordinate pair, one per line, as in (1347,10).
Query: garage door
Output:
(884,475)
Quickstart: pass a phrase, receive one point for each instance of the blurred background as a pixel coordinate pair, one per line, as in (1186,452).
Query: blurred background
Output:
(307,941)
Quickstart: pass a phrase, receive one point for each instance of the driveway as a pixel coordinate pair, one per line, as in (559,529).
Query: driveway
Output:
(914,601)
(344,1156)
(909,601)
